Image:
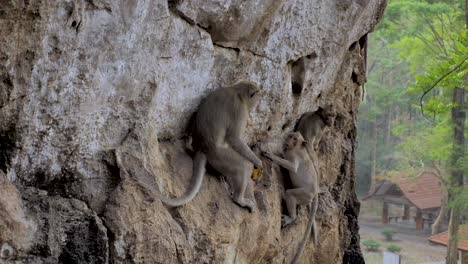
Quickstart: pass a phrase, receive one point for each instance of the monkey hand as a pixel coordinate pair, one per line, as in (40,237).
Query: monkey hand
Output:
(258,163)
(267,154)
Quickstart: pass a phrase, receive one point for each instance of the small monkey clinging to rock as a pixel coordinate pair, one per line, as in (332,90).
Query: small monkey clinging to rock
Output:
(217,138)
(311,125)
(303,174)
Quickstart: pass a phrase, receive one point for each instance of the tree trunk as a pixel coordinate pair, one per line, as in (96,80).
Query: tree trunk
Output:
(440,220)
(386,135)
(458,120)
(466,13)
(373,156)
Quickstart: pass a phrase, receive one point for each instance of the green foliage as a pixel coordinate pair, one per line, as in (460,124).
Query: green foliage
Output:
(371,245)
(393,248)
(420,47)
(427,143)
(443,75)
(388,233)
(460,198)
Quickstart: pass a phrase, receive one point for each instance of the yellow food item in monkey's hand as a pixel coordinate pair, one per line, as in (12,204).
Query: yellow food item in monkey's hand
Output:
(257,174)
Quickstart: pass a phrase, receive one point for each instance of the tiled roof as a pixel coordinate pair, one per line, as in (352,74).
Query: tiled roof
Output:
(442,238)
(381,188)
(372,192)
(423,191)
(384,188)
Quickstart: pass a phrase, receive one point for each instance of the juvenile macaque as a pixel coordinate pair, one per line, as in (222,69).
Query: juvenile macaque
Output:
(311,125)
(303,174)
(218,128)
(6,251)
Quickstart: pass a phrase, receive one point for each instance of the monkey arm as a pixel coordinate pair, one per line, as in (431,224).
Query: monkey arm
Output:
(290,166)
(238,145)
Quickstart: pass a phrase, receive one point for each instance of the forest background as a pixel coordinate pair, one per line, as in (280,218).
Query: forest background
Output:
(414,110)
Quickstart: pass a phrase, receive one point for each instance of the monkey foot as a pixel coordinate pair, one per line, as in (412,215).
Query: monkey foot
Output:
(246,203)
(286,220)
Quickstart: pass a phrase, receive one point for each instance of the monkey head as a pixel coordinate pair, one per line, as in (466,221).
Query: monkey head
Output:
(7,251)
(248,92)
(327,114)
(294,140)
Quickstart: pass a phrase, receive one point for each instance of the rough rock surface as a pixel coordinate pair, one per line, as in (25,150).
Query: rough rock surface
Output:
(85,81)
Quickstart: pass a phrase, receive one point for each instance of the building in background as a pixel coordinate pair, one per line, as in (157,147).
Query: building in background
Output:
(442,239)
(423,193)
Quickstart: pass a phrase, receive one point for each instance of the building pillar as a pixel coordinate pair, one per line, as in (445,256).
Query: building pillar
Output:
(385,213)
(419,220)
(464,258)
(406,212)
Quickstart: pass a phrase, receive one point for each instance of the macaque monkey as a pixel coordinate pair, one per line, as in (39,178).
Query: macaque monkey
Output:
(218,128)
(311,125)
(303,174)
(6,251)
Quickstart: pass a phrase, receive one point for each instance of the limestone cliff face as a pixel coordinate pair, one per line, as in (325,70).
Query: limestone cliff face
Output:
(83,80)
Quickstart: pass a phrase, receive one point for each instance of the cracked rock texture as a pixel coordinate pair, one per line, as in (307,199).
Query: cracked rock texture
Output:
(87,81)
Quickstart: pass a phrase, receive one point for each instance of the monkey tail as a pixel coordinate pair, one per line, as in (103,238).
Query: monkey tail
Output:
(310,228)
(199,163)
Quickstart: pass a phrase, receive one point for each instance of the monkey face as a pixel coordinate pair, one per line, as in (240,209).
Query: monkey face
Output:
(294,140)
(251,93)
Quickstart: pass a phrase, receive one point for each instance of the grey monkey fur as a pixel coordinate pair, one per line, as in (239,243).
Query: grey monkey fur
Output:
(217,139)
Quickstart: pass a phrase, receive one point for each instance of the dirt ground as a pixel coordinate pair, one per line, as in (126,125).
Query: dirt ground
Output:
(415,248)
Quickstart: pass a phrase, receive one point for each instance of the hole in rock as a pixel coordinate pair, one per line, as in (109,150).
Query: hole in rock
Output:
(362,41)
(354,77)
(297,76)
(296,88)
(313,55)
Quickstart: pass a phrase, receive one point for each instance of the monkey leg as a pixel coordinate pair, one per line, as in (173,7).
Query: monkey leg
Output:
(237,169)
(241,148)
(241,181)
(293,198)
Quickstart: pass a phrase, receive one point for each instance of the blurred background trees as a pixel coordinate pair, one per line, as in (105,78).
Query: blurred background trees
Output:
(414,113)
